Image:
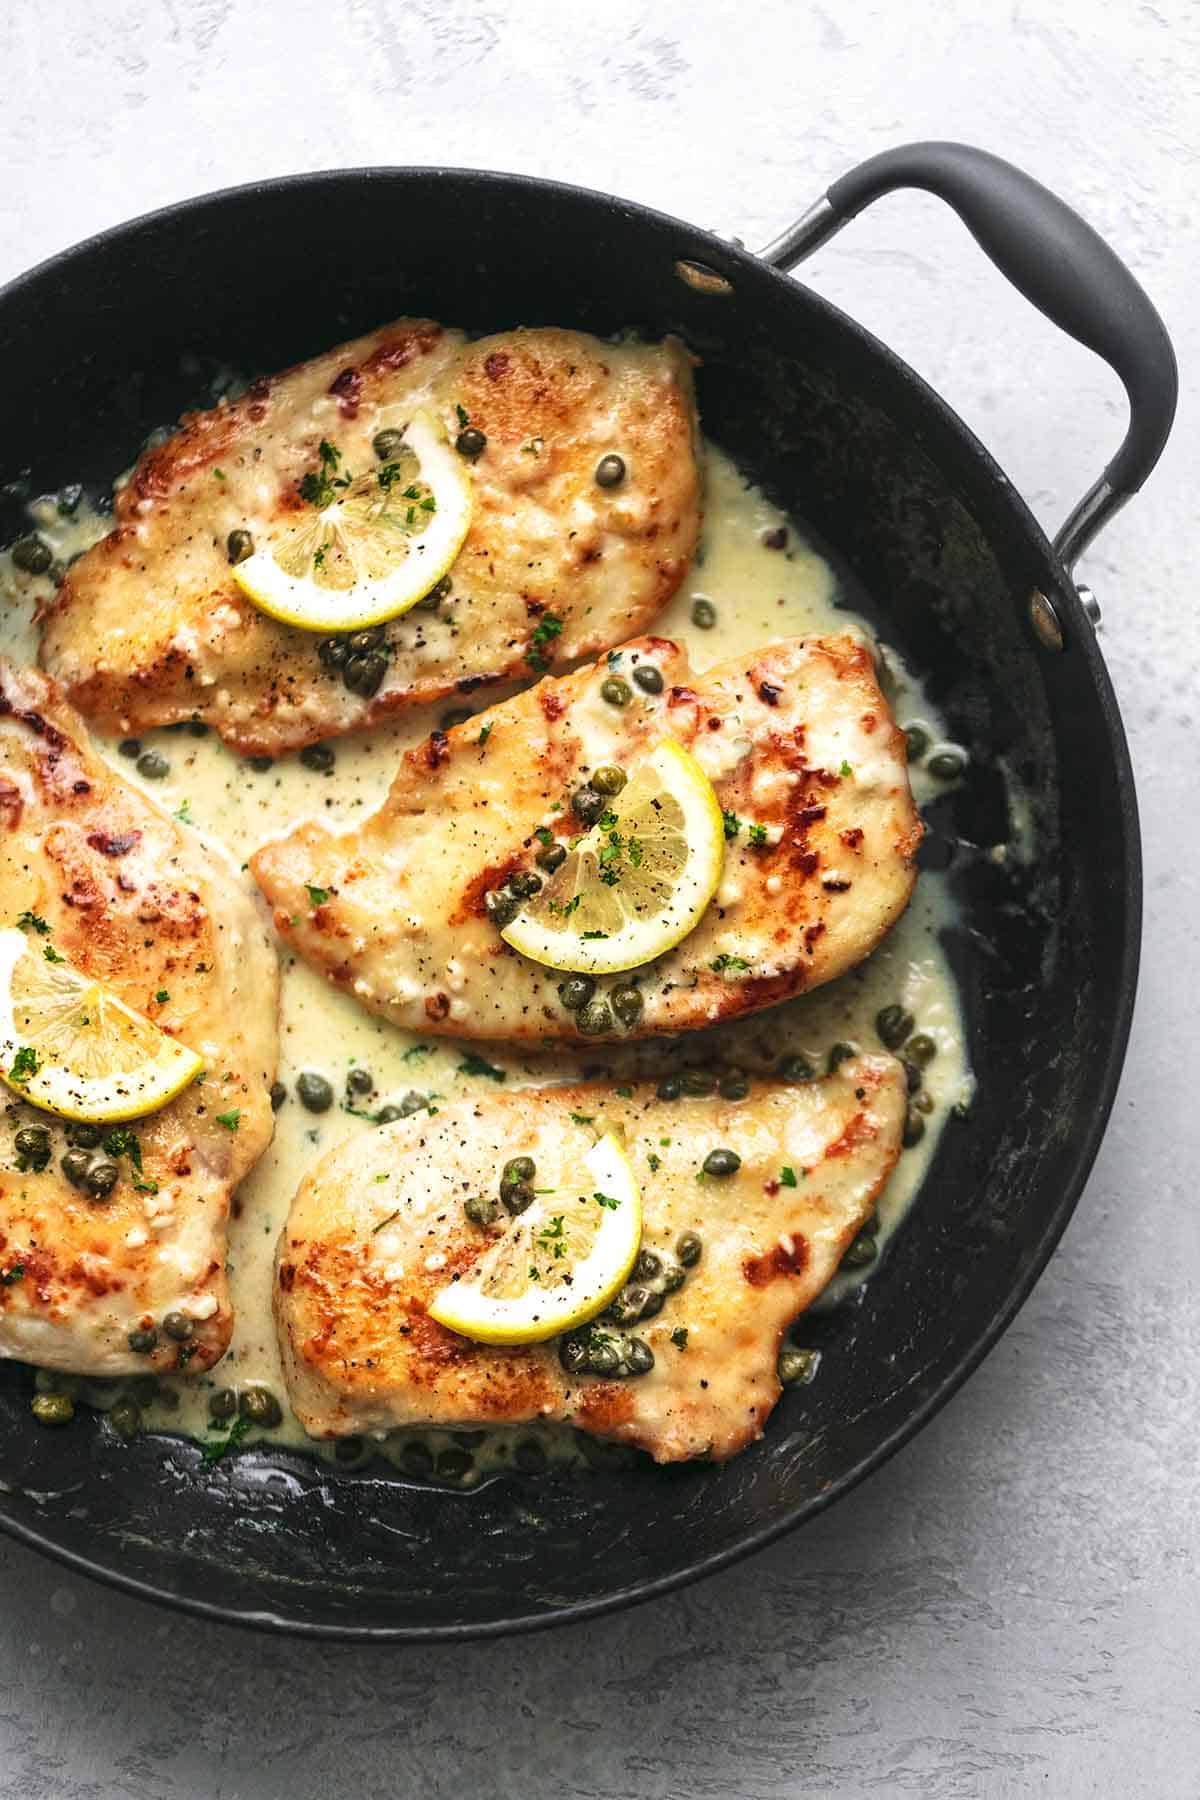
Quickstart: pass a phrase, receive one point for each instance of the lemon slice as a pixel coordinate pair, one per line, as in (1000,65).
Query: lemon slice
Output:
(639,881)
(558,1264)
(374,542)
(70,1046)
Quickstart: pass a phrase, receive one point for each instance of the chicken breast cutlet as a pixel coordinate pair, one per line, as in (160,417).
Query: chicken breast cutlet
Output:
(808,766)
(149,627)
(100,877)
(378,1227)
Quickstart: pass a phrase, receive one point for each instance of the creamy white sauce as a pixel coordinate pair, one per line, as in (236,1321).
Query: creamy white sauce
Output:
(760,595)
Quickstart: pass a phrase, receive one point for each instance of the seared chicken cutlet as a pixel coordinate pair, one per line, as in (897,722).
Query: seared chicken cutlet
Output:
(378,1228)
(149,626)
(808,766)
(102,879)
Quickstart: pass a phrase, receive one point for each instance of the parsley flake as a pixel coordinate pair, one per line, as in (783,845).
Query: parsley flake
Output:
(317,895)
(30,921)
(25,1064)
(51,955)
(477,1065)
(230,1120)
(679,1337)
(787,1176)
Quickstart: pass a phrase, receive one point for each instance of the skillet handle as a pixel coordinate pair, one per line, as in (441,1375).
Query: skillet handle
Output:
(1054,259)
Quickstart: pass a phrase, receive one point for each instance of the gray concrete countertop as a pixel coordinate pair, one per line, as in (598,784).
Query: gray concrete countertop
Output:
(1013,1605)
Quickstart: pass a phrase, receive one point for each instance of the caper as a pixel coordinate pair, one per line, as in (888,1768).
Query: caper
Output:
(130,747)
(529,1456)
(912,1074)
(838,1054)
(610,470)
(222,1405)
(126,1418)
(722,1163)
(689,1248)
(698,1084)
(179,1326)
(359,642)
(648,678)
(639,1357)
(609,779)
(870,1225)
(481,1209)
(704,614)
(862,1250)
(501,906)
(576,991)
(648,1266)
(525,883)
(454,1465)
(142,1341)
(75,1165)
(551,857)
(733,1085)
(32,554)
(259,1405)
(921,1049)
(587,803)
(517,1197)
(635,1303)
(314,1092)
(794,1067)
(387,1115)
(364,675)
(797,1366)
(673,1277)
(924,1101)
(470,443)
(83,1135)
(519,1168)
(359,1081)
(53,1409)
(278,1095)
(332,652)
(349,1449)
(260,764)
(616,691)
(197,728)
(894,1024)
(153,765)
(436,595)
(32,1145)
(627,1003)
(914,1128)
(101,1179)
(319,757)
(917,739)
(67,499)
(410,1103)
(388,444)
(239,545)
(573,1353)
(594,1019)
(947,765)
(458,715)
(416,1458)
(670,1087)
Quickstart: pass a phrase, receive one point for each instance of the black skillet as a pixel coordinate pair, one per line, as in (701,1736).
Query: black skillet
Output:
(103,343)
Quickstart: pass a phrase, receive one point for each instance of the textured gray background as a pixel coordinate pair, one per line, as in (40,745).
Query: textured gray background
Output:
(1013,1605)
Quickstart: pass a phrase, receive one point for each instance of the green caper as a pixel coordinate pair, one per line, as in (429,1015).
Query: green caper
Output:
(126,1418)
(924,1101)
(481,1209)
(458,715)
(648,678)
(669,1088)
(32,1145)
(142,1341)
(314,1092)
(84,1135)
(912,1074)
(610,470)
(797,1366)
(278,1095)
(130,747)
(518,1197)
(501,906)
(260,764)
(416,1458)
(704,614)
(259,1405)
(410,1103)
(239,545)
(75,1165)
(387,1115)
(67,499)
(576,991)
(722,1163)
(639,1357)
(452,1464)
(349,1450)
(609,779)
(437,593)
(616,691)
(894,1024)
(917,739)
(689,1248)
(364,675)
(179,1326)
(587,804)
(470,443)
(332,652)
(519,1168)
(153,765)
(101,1179)
(551,857)
(648,1266)
(914,1128)
(53,1409)
(594,1019)
(388,444)
(838,1054)
(698,1084)
(870,1225)
(318,757)
(359,1081)
(529,1456)
(921,1049)
(627,1003)
(525,883)
(32,554)
(673,1277)
(370,638)
(947,765)
(862,1251)
(222,1405)
(733,1085)
(794,1067)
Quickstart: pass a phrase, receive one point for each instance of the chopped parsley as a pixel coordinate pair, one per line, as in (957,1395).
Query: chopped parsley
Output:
(548,627)
(845,768)
(388,476)
(477,1065)
(679,1337)
(720,963)
(787,1177)
(14,1273)
(592,934)
(606,1200)
(230,1120)
(485,733)
(30,921)
(391,1218)
(758,836)
(319,487)
(143,1186)
(417,1050)
(121,1141)
(25,1064)
(582,1118)
(51,954)
(731,822)
(552,1236)
(534,447)
(556,906)
(544,835)
(655,1162)
(614,658)
(184,813)
(626,1093)
(215,1449)
(464,417)
(317,895)
(162,996)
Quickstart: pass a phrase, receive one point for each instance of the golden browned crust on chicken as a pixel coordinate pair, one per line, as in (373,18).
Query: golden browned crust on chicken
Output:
(141,903)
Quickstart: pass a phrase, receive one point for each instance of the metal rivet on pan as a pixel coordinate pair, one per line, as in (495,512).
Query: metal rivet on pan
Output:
(1088,601)
(1044,619)
(701,278)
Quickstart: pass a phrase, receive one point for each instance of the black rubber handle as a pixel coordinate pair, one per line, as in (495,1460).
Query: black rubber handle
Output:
(1058,262)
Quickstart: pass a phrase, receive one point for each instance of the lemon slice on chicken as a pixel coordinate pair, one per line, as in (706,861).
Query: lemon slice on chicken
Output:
(637,882)
(71,1047)
(371,543)
(558,1263)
